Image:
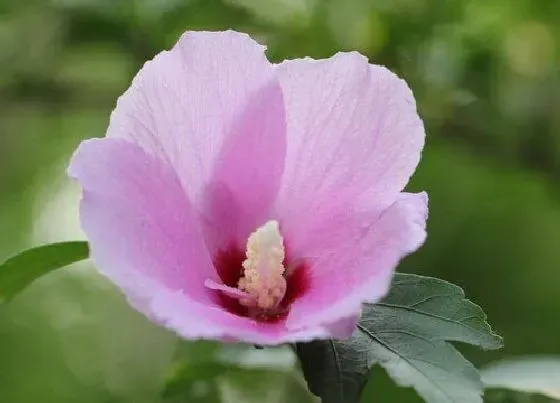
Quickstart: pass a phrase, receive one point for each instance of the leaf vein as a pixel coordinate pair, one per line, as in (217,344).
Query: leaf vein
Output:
(433,315)
(410,361)
(430,297)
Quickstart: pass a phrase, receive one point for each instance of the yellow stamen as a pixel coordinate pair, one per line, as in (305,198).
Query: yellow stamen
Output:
(263,270)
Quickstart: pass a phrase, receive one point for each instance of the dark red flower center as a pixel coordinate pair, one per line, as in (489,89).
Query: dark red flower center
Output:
(228,264)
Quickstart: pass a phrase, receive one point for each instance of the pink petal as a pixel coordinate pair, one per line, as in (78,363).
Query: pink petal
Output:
(144,237)
(357,259)
(217,324)
(212,108)
(354,138)
(249,168)
(343,328)
(138,220)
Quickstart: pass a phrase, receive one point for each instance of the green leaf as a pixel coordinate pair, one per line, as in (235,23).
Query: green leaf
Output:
(526,374)
(336,371)
(19,271)
(407,333)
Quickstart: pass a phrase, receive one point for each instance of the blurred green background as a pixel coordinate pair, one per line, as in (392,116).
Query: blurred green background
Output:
(486,77)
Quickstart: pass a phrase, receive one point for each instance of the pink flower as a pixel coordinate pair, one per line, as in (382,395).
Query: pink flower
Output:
(236,199)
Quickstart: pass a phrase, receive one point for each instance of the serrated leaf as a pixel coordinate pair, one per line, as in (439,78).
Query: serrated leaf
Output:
(525,374)
(443,308)
(407,333)
(19,271)
(437,371)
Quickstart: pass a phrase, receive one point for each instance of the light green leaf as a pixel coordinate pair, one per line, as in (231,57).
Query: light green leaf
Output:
(407,333)
(21,270)
(525,374)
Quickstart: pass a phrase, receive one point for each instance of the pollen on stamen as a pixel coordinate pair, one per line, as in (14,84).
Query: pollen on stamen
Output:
(263,269)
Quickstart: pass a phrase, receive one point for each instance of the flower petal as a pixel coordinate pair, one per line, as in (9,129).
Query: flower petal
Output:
(354,137)
(212,108)
(356,259)
(145,238)
(215,323)
(143,235)
(248,171)
(138,221)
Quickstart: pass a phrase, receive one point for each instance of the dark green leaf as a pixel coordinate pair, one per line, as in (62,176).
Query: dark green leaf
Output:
(436,309)
(21,270)
(407,333)
(336,371)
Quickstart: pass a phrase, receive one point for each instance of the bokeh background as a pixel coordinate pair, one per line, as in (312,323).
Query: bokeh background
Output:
(486,77)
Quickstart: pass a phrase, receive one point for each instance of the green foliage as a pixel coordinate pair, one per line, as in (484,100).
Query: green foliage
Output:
(21,270)
(73,338)
(233,373)
(217,382)
(407,334)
